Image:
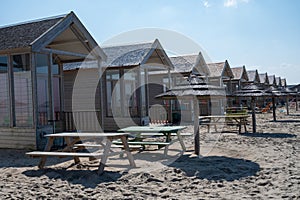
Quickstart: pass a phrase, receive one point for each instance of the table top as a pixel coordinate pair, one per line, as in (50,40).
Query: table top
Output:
(223,116)
(72,134)
(152,129)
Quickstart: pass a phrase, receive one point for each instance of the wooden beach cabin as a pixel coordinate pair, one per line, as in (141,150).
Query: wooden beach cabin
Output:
(253,77)
(125,93)
(220,75)
(32,55)
(264,80)
(184,67)
(272,81)
(239,80)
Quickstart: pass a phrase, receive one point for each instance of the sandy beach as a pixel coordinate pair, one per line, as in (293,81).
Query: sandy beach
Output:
(264,165)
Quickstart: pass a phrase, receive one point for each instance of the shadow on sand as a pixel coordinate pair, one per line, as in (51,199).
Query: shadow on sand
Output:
(269,135)
(286,121)
(216,167)
(84,177)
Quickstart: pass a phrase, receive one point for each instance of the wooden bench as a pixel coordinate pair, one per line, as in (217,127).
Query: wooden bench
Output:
(63,154)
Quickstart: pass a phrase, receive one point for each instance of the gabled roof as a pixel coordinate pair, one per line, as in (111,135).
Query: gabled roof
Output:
(253,76)
(278,81)
(136,54)
(220,69)
(22,35)
(272,80)
(239,73)
(283,82)
(190,63)
(263,78)
(62,35)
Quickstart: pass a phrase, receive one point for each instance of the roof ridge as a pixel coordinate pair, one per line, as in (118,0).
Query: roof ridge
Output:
(193,54)
(127,44)
(33,21)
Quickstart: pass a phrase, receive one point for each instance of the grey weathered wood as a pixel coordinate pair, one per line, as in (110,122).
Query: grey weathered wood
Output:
(62,154)
(196,126)
(66,53)
(104,157)
(127,150)
(47,148)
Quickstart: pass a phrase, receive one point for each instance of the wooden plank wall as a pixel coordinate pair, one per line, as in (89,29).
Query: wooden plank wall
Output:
(18,138)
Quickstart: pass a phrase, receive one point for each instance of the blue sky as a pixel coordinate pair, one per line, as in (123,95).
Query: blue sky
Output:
(260,34)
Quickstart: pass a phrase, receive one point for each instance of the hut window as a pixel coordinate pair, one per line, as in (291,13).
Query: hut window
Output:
(42,88)
(113,93)
(4,94)
(22,90)
(130,79)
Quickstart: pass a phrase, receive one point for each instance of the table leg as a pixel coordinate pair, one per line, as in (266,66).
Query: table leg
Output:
(104,156)
(127,150)
(181,141)
(70,144)
(47,148)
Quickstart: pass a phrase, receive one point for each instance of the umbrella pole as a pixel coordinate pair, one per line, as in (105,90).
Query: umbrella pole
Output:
(297,102)
(274,109)
(253,115)
(196,127)
(287,105)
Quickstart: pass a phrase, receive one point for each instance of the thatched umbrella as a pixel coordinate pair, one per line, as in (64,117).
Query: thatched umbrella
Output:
(274,92)
(196,90)
(252,91)
(287,93)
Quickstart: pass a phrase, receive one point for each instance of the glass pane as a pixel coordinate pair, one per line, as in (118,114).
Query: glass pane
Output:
(42,88)
(113,93)
(4,95)
(130,91)
(143,94)
(22,90)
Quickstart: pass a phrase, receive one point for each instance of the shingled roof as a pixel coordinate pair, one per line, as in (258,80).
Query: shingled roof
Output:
(184,63)
(272,80)
(190,63)
(135,54)
(64,36)
(126,56)
(253,75)
(218,69)
(23,34)
(263,78)
(278,81)
(239,73)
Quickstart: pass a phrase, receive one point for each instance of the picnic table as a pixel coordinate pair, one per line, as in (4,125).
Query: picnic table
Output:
(142,132)
(233,119)
(71,149)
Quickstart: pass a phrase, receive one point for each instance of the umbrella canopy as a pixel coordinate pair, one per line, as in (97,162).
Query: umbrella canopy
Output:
(252,91)
(196,89)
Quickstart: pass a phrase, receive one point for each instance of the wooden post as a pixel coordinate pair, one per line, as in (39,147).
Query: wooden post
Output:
(287,105)
(274,108)
(253,114)
(297,101)
(196,126)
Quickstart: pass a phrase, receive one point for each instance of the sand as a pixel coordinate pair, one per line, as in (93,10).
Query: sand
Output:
(264,165)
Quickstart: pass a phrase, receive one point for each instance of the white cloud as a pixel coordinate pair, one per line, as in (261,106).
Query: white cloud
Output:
(234,3)
(206,4)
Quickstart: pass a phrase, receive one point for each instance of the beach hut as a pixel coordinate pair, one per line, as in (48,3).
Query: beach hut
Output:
(220,75)
(125,93)
(239,80)
(253,77)
(272,81)
(32,55)
(184,67)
